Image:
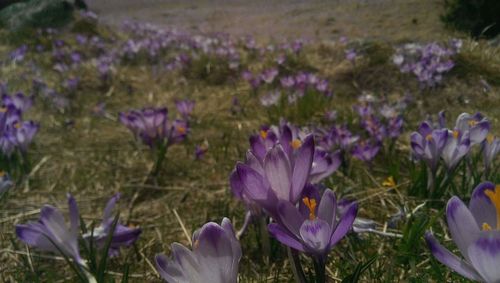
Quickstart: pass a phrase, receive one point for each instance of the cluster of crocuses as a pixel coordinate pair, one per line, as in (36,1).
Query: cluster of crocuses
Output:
(428,62)
(50,233)
(15,134)
(277,179)
(434,142)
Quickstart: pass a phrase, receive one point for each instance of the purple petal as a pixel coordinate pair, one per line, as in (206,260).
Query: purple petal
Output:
(484,255)
(327,207)
(278,172)
(290,217)
(463,227)
(316,235)
(284,237)
(302,167)
(345,224)
(452,261)
(481,207)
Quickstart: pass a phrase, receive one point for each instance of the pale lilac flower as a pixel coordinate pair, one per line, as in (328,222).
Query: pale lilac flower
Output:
(474,230)
(457,146)
(214,257)
(491,147)
(270,99)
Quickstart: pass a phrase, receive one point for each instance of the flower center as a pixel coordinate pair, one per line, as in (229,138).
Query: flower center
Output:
(311,204)
(490,138)
(472,123)
(181,130)
(263,134)
(495,199)
(455,134)
(17,125)
(296,143)
(428,137)
(3,109)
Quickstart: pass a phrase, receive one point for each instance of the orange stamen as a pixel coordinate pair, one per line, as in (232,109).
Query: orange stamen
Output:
(263,134)
(389,182)
(296,143)
(428,137)
(311,204)
(455,134)
(495,199)
(181,130)
(490,138)
(486,227)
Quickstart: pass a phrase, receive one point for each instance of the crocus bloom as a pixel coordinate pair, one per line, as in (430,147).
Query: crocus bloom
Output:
(477,125)
(123,236)
(427,144)
(474,230)
(270,99)
(278,177)
(51,234)
(457,146)
(214,258)
(313,227)
(185,107)
(365,151)
(269,75)
(24,133)
(18,101)
(491,147)
(200,151)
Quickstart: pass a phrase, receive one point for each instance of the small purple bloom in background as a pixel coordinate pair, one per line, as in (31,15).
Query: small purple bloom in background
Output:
(270,99)
(477,126)
(457,146)
(365,151)
(185,107)
(200,151)
(350,55)
(123,236)
(18,101)
(287,82)
(72,84)
(269,75)
(214,258)
(314,227)
(331,115)
(474,230)
(51,234)
(427,144)
(23,134)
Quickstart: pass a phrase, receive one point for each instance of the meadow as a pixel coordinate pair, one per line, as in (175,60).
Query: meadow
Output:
(171,128)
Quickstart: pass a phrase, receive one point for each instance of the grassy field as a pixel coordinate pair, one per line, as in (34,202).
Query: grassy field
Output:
(89,154)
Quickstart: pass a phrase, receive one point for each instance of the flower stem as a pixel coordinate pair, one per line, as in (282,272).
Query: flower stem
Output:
(298,273)
(319,268)
(264,237)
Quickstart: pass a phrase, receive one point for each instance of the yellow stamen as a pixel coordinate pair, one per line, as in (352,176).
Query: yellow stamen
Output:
(486,227)
(495,199)
(389,182)
(311,204)
(3,109)
(196,244)
(263,134)
(17,125)
(455,134)
(472,123)
(490,138)
(296,143)
(428,137)
(181,130)
(2,173)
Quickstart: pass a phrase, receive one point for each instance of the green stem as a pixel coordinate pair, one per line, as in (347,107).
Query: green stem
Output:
(159,160)
(298,273)
(264,236)
(319,269)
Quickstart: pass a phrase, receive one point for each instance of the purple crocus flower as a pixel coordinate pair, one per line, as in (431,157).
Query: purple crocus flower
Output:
(214,257)
(149,124)
(491,147)
(427,144)
(270,99)
(474,230)
(477,125)
(350,55)
(313,227)
(23,134)
(200,151)
(278,177)
(123,236)
(51,234)
(365,151)
(185,107)
(457,146)
(18,101)
(269,75)
(287,82)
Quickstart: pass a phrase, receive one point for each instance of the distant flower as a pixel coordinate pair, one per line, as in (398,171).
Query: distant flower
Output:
(477,126)
(271,99)
(350,55)
(474,230)
(51,234)
(427,144)
(269,75)
(5,182)
(365,151)
(200,151)
(214,257)
(18,101)
(457,146)
(185,107)
(491,147)
(312,228)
